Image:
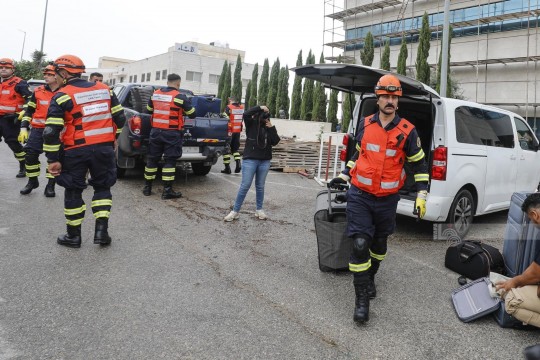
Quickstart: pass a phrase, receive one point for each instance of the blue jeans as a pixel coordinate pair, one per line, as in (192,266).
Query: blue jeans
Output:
(252,168)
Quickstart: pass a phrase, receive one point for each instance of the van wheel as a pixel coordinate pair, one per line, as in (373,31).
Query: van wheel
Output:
(200,169)
(461,213)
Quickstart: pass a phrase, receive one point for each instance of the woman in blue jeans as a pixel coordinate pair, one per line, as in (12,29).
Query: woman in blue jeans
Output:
(261,136)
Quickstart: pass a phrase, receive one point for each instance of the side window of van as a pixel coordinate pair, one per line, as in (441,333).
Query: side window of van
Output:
(525,136)
(480,127)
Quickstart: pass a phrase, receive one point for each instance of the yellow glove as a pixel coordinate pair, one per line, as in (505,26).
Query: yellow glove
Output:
(420,204)
(21,114)
(23,136)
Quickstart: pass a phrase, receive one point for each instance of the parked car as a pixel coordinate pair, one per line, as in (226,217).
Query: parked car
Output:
(478,154)
(204,141)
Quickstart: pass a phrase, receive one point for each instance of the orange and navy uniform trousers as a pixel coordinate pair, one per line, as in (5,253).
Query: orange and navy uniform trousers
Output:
(80,130)
(376,173)
(14,93)
(168,108)
(234,112)
(35,115)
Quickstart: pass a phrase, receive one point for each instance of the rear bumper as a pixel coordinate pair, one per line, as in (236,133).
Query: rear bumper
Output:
(437,208)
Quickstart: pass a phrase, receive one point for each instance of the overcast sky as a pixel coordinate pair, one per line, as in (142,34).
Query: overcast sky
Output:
(138,29)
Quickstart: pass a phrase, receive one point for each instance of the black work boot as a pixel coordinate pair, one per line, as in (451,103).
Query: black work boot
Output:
(22,170)
(32,184)
(49,189)
(101,235)
(371,289)
(238,166)
(147,189)
(169,193)
(361,307)
(227,169)
(72,238)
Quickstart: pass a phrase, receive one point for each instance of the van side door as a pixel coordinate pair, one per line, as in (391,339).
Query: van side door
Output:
(528,160)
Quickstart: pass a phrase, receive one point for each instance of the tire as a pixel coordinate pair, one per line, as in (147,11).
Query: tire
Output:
(200,169)
(461,213)
(120,172)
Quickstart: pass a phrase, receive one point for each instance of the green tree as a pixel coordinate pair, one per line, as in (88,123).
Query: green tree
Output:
(226,89)
(331,115)
(222,77)
(248,95)
(283,92)
(385,60)
(368,52)
(402,58)
(347,107)
(319,98)
(439,69)
(422,66)
(236,91)
(296,101)
(273,88)
(306,109)
(254,79)
(263,84)
(32,69)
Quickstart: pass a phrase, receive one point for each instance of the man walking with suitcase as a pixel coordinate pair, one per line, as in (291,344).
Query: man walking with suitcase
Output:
(384,142)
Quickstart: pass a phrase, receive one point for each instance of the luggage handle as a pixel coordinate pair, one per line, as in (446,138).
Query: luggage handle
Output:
(476,251)
(341,200)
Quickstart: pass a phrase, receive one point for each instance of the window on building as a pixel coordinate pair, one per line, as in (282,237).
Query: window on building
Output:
(213,79)
(157,74)
(121,79)
(147,76)
(193,76)
(164,74)
(130,78)
(142,77)
(134,78)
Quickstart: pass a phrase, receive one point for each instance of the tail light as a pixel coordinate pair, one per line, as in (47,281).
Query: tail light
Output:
(135,124)
(343,152)
(440,161)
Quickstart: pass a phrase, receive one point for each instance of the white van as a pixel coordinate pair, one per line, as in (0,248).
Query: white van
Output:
(478,155)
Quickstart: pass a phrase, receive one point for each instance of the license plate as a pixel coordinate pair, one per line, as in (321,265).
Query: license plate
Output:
(190,149)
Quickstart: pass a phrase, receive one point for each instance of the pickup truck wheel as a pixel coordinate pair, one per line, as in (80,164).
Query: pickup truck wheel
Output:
(200,169)
(461,213)
(120,172)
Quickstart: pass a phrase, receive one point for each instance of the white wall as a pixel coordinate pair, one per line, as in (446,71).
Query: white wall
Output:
(303,130)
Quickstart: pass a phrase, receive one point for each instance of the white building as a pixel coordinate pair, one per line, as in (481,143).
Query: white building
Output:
(199,65)
(494,51)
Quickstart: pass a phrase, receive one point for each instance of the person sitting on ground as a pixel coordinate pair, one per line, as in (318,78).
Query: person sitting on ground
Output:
(521,293)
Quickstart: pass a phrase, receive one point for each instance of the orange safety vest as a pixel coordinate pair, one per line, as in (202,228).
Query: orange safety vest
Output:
(235,118)
(90,121)
(43,99)
(167,114)
(379,167)
(11,101)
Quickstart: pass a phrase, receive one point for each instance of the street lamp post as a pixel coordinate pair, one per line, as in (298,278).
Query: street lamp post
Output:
(24,40)
(44,22)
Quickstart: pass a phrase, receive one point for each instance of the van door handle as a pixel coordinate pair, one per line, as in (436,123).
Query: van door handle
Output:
(512,157)
(522,157)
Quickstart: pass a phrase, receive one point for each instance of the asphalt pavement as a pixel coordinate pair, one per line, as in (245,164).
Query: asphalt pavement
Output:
(179,283)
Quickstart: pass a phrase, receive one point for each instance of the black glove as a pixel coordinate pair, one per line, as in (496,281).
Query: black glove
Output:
(337,182)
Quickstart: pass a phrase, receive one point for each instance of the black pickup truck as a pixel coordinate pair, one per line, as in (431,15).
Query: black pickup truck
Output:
(205,138)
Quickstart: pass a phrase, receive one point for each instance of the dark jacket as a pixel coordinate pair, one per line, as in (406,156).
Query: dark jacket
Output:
(260,138)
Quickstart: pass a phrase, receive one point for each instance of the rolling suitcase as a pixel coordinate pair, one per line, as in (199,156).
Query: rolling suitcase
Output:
(334,247)
(473,300)
(206,106)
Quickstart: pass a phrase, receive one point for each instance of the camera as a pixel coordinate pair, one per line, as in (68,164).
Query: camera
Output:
(264,116)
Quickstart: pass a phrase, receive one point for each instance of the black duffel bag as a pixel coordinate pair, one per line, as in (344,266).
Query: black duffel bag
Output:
(473,259)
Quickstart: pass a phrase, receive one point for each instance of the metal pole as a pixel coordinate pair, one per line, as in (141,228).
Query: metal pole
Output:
(24,40)
(445,40)
(44,22)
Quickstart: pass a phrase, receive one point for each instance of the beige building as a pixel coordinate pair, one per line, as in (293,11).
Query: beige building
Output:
(494,51)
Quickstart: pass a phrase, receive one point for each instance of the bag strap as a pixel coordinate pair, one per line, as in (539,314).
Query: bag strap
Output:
(477,250)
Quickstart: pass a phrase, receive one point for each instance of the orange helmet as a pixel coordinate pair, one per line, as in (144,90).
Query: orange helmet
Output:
(49,69)
(7,62)
(388,85)
(71,63)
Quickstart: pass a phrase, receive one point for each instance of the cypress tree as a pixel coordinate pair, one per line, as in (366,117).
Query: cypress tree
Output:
(368,52)
(385,60)
(402,58)
(248,94)
(222,79)
(331,115)
(283,92)
(263,84)
(439,69)
(347,106)
(273,88)
(319,99)
(254,79)
(296,102)
(226,89)
(306,109)
(236,91)
(422,66)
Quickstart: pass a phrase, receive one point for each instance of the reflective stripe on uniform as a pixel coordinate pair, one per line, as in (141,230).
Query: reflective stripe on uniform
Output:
(62,99)
(161,112)
(421,177)
(55,121)
(51,148)
(75,211)
(364,180)
(102,214)
(99,117)
(360,267)
(373,147)
(390,152)
(102,202)
(8,108)
(350,164)
(377,256)
(98,131)
(419,156)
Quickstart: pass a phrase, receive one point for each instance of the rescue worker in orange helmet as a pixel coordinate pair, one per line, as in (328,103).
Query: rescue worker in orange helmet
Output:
(35,115)
(85,117)
(14,93)
(234,112)
(168,108)
(384,142)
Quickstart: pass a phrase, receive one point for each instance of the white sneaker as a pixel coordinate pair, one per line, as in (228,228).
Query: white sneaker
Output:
(233,215)
(260,214)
